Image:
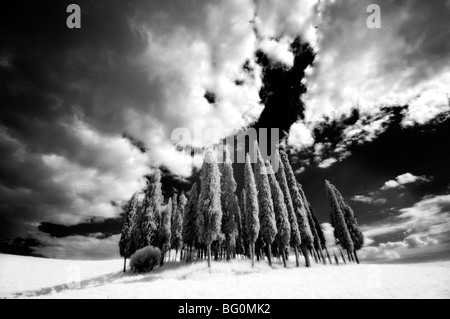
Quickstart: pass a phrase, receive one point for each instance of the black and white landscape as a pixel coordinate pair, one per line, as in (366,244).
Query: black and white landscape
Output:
(262,148)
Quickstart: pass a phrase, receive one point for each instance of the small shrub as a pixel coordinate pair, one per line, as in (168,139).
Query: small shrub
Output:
(143,260)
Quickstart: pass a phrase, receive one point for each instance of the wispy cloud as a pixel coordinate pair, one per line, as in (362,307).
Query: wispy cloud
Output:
(427,223)
(404,179)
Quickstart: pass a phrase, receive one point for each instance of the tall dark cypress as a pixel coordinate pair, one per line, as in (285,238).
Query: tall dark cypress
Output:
(296,239)
(177,226)
(210,211)
(266,211)
(228,201)
(341,232)
(312,224)
(299,207)
(323,242)
(129,211)
(283,236)
(238,220)
(165,230)
(352,225)
(190,231)
(244,232)
(251,208)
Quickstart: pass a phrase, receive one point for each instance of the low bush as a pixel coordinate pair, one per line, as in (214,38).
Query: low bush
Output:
(145,259)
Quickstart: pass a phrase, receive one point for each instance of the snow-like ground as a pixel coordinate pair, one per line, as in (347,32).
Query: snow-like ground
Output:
(29,277)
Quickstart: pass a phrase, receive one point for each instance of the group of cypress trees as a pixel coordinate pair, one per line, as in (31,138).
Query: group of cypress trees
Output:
(347,233)
(271,216)
(147,223)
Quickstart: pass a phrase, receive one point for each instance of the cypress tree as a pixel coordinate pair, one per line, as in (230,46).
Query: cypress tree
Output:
(210,211)
(267,221)
(295,233)
(312,224)
(177,225)
(352,225)
(323,242)
(129,211)
(251,207)
(155,201)
(341,233)
(174,208)
(244,232)
(238,221)
(145,227)
(165,234)
(228,201)
(138,236)
(190,231)
(299,207)
(147,217)
(281,215)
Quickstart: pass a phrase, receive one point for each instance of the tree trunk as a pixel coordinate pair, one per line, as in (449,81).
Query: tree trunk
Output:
(208,250)
(356,256)
(124,264)
(322,257)
(176,253)
(169,255)
(253,254)
(297,263)
(336,259)
(181,254)
(315,256)
(269,254)
(342,254)
(328,254)
(305,253)
(163,253)
(283,257)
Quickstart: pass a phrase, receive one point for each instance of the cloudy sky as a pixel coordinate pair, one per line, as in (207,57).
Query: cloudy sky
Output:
(86,114)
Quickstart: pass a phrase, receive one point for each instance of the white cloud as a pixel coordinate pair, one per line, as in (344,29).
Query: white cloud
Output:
(427,223)
(300,136)
(288,17)
(328,232)
(278,50)
(427,106)
(404,179)
(328,162)
(382,252)
(418,240)
(368,199)
(404,62)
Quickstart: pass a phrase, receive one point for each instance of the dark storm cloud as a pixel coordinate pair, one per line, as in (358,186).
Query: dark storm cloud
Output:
(86,112)
(396,220)
(417,150)
(61,121)
(106,228)
(20,246)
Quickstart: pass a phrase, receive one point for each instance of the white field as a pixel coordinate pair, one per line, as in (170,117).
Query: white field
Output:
(29,277)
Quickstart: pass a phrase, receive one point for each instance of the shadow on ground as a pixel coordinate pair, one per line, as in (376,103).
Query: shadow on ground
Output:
(105,279)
